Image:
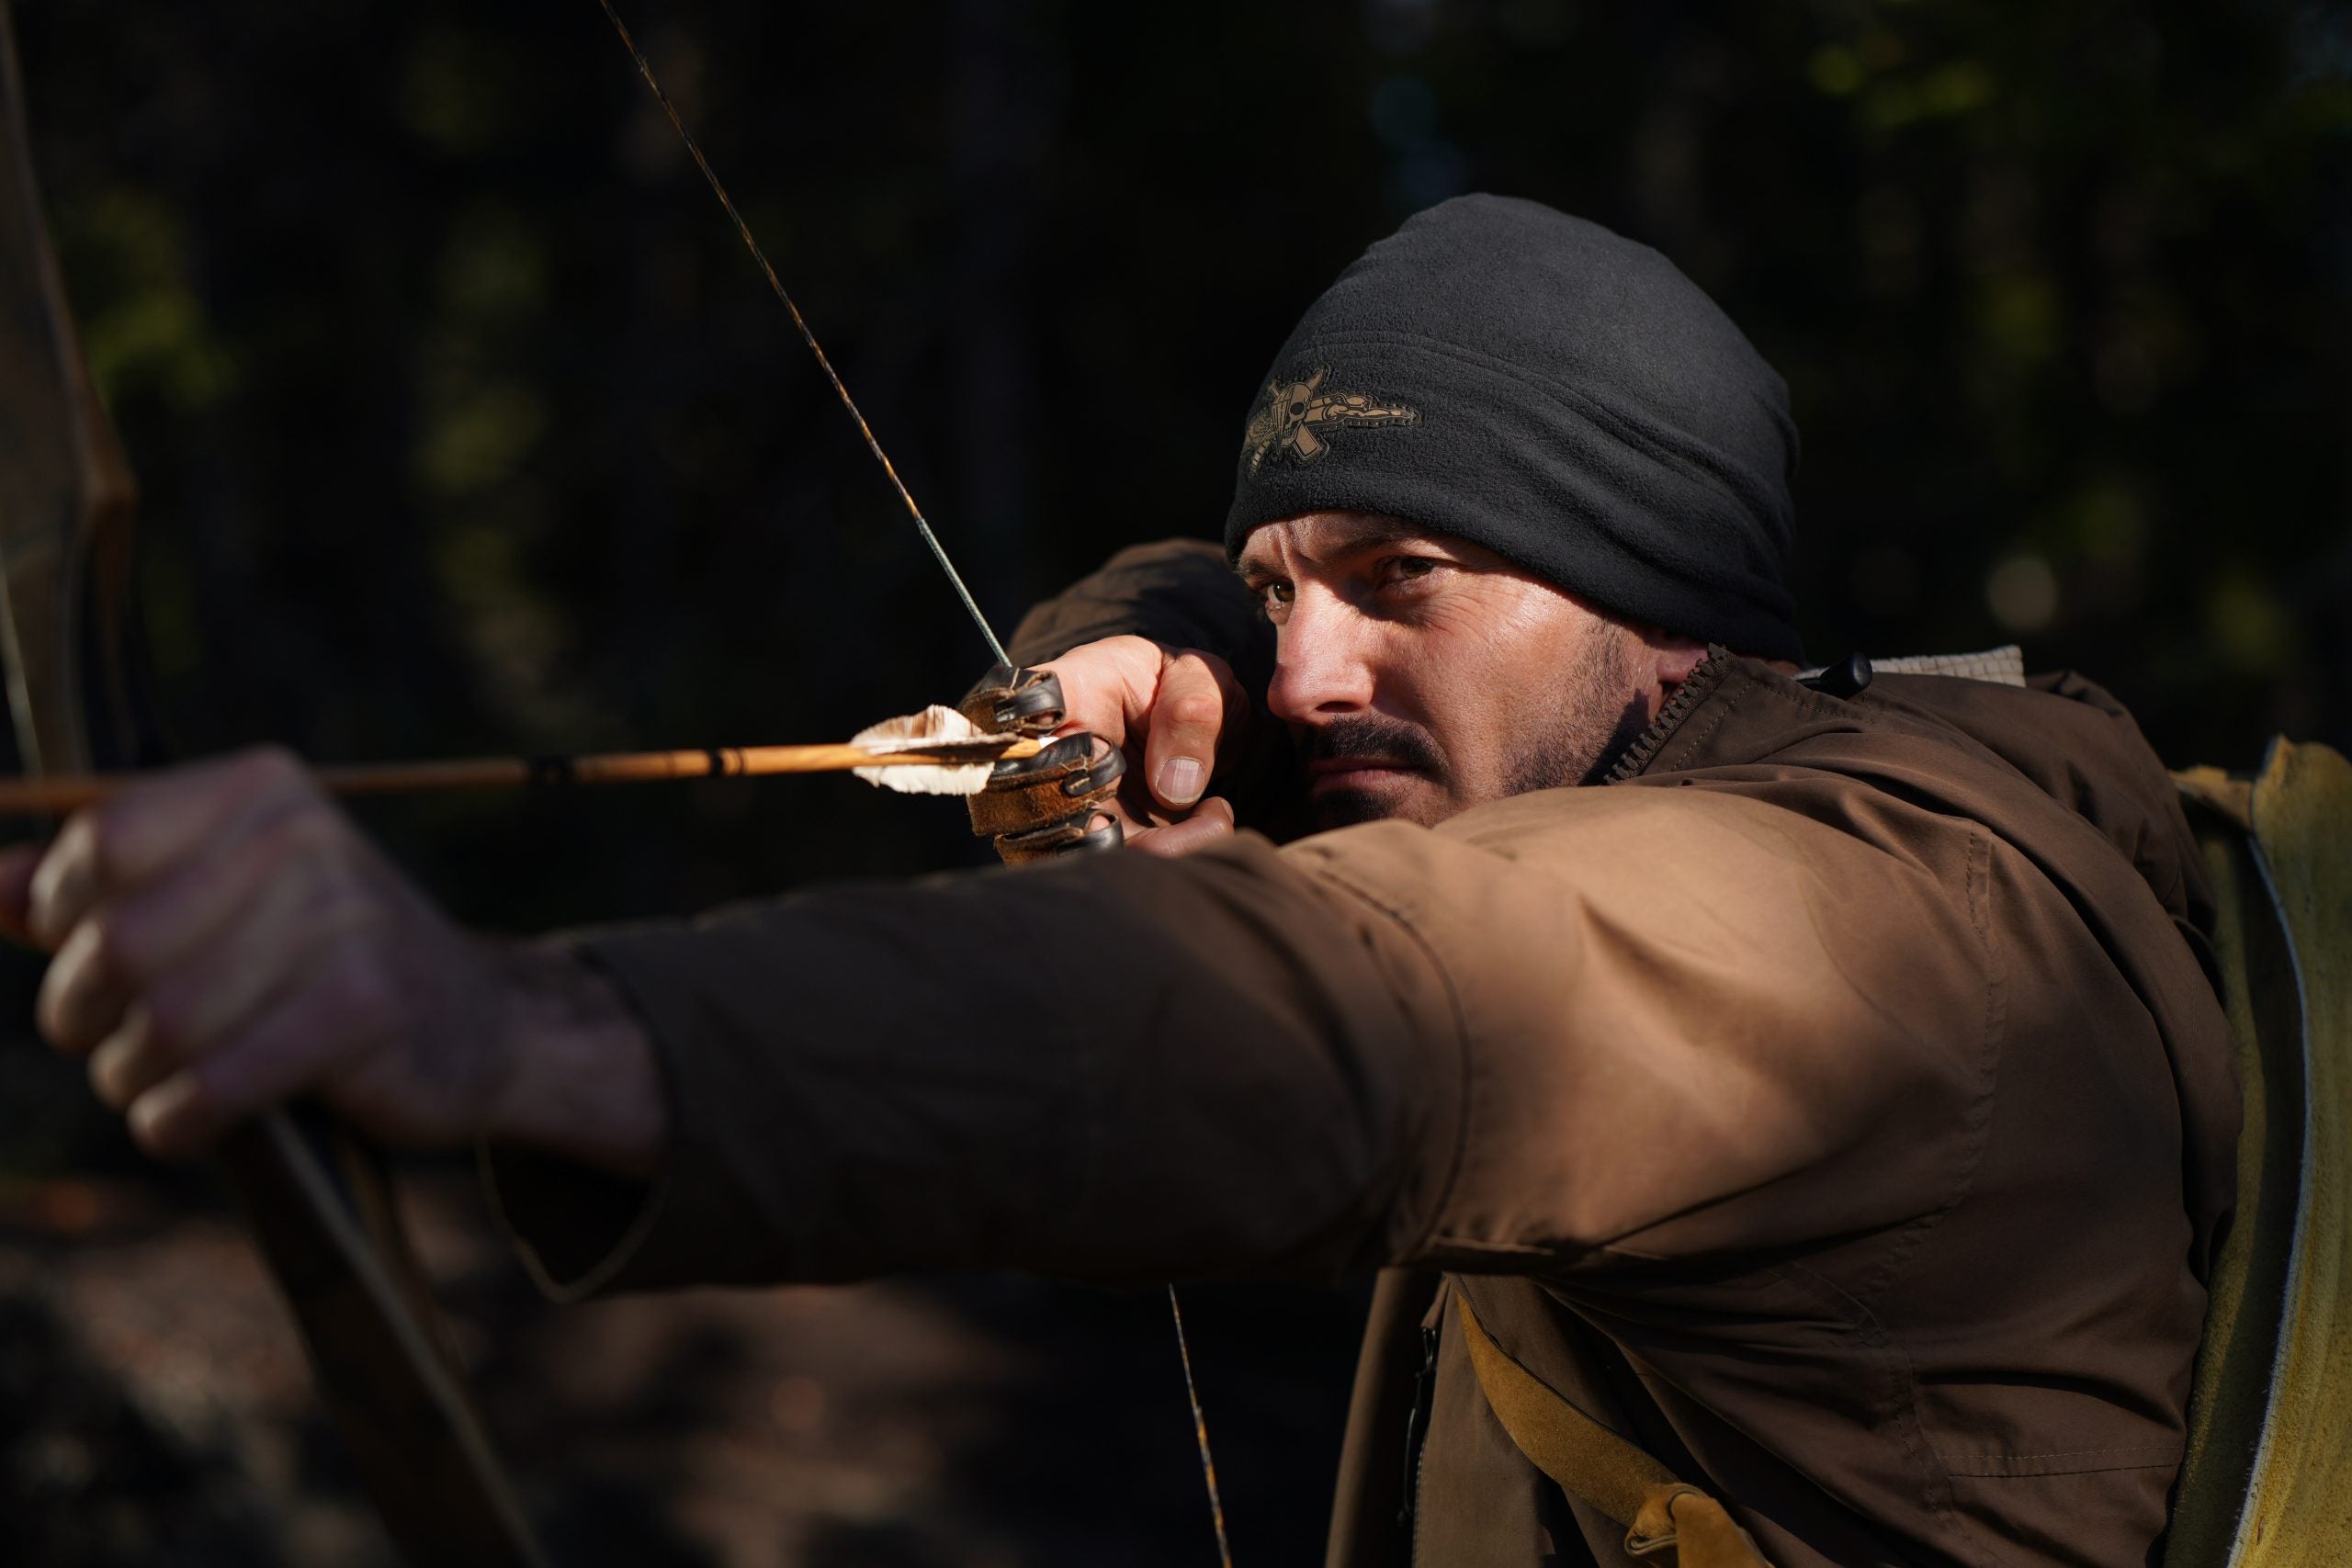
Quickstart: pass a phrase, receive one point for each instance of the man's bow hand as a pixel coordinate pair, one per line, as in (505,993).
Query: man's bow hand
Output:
(225,938)
(1176,712)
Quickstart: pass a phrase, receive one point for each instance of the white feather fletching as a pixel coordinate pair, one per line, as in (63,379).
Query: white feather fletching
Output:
(935,726)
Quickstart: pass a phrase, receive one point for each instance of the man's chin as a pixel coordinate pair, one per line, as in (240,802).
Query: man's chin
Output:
(1346,808)
(1408,799)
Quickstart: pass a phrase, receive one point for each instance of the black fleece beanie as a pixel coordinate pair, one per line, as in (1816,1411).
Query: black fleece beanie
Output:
(1533,383)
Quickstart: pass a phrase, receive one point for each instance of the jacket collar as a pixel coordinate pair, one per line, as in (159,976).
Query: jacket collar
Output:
(1694,691)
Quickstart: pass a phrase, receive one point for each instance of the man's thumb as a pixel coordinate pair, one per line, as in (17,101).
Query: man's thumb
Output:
(1188,719)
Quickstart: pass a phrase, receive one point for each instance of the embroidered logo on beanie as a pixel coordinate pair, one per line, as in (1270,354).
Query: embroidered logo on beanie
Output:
(1297,418)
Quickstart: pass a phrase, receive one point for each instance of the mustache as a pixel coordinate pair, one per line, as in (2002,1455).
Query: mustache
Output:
(1390,741)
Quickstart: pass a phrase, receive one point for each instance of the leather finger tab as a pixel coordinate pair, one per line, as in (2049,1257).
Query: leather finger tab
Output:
(1053,802)
(1016,702)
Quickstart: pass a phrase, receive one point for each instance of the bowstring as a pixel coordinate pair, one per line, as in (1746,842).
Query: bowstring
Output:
(824,361)
(971,608)
(1200,1430)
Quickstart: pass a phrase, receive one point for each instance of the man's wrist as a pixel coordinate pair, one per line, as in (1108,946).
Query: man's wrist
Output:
(583,1077)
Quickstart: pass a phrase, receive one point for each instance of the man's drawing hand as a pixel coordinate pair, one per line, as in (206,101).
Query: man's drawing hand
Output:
(1174,712)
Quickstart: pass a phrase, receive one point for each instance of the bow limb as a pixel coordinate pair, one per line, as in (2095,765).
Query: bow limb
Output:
(317,1201)
(66,494)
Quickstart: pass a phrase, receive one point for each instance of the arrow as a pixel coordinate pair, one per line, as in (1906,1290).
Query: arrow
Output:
(964,762)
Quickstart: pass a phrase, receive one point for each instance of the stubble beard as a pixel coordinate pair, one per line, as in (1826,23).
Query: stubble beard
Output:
(1601,719)
(1575,743)
(1369,735)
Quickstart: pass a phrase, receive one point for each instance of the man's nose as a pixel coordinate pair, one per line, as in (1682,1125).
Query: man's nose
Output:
(1323,662)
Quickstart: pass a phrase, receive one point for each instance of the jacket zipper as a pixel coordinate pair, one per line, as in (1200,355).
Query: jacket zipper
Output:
(1417,1431)
(1699,685)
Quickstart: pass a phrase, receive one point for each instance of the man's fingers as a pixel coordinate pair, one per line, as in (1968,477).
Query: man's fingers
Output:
(276,1051)
(157,940)
(129,1062)
(1172,711)
(223,986)
(83,995)
(142,830)
(1198,707)
(1211,822)
(150,929)
(205,1007)
(178,1099)
(17,867)
(66,884)
(174,1119)
(1107,686)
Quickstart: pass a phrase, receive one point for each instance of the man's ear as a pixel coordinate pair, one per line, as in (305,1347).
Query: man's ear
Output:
(1671,658)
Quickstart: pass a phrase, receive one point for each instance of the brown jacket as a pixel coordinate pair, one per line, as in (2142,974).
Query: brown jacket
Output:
(1834,1103)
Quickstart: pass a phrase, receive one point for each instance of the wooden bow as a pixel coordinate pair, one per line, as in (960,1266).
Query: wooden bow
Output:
(315,1197)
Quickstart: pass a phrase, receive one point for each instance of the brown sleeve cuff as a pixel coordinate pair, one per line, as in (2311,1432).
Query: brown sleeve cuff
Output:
(580,1231)
(575,1228)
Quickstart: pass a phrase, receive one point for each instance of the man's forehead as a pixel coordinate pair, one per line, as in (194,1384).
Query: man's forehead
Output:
(1321,535)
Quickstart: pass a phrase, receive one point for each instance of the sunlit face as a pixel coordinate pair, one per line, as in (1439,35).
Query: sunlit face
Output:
(1421,675)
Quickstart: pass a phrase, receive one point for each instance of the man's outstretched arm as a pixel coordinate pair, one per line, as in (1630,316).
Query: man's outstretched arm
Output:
(1472,1046)
(821,1087)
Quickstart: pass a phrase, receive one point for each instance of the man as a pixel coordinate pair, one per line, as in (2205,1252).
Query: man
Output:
(1832,1103)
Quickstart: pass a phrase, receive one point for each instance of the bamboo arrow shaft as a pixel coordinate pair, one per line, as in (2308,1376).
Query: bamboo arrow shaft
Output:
(61,793)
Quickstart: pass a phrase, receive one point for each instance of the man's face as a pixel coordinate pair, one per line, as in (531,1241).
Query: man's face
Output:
(1422,675)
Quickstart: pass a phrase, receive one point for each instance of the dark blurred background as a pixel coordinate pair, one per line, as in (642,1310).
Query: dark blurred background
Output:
(465,425)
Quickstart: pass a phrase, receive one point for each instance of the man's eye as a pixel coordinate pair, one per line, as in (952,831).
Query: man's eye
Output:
(1272,596)
(1407,569)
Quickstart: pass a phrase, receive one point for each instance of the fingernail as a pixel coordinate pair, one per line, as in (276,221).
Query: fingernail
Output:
(106,1067)
(1181,779)
(152,1116)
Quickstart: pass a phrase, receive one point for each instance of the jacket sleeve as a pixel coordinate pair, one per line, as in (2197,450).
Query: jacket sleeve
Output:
(1184,594)
(1178,591)
(1525,1041)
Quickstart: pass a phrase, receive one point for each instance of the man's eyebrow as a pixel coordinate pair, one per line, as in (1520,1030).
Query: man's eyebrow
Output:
(1250,568)
(1371,536)
(1337,539)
